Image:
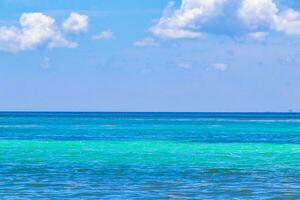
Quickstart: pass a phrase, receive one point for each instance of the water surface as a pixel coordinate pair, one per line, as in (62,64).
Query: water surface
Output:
(149,155)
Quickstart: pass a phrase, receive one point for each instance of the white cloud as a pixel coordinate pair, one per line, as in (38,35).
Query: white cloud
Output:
(182,22)
(35,29)
(220,66)
(59,41)
(146,42)
(288,22)
(256,13)
(104,35)
(258,36)
(76,23)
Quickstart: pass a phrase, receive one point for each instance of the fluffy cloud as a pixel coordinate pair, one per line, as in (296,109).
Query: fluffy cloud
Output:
(146,42)
(35,29)
(59,41)
(76,23)
(104,35)
(182,22)
(288,22)
(185,21)
(256,13)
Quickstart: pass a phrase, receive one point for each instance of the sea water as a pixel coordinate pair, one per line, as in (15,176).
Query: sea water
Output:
(149,156)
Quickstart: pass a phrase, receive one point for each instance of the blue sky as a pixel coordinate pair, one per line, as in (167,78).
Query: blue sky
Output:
(150,55)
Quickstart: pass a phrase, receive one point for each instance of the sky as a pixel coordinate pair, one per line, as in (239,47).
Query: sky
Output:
(150,55)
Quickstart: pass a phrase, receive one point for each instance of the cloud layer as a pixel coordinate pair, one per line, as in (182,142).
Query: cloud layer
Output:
(35,29)
(258,15)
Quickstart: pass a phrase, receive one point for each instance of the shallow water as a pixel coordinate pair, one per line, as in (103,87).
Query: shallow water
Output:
(149,156)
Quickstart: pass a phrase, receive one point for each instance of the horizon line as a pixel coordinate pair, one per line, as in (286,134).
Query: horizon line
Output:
(204,112)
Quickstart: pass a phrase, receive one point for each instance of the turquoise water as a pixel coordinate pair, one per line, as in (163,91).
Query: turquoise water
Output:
(149,156)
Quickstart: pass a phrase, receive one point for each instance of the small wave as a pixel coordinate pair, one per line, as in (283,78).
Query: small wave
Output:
(108,125)
(216,119)
(18,125)
(258,120)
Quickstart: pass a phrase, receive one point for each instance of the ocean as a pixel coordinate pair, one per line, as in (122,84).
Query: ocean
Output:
(149,155)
